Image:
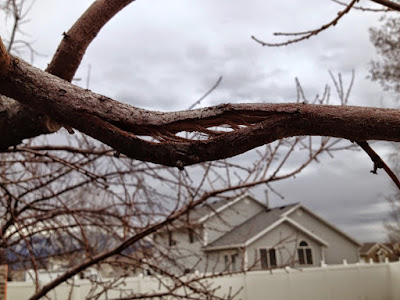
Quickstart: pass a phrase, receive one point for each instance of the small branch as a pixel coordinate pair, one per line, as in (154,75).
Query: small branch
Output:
(207,93)
(378,162)
(309,33)
(17,18)
(362,8)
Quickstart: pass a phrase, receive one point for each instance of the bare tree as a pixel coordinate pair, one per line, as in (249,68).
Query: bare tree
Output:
(386,41)
(86,207)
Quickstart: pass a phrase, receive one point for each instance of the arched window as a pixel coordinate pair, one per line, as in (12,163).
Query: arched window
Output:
(303,244)
(304,252)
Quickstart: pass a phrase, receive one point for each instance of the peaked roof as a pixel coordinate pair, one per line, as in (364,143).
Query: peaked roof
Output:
(322,220)
(367,248)
(206,211)
(257,226)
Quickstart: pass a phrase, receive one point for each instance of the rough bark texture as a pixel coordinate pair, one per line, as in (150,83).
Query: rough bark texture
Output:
(75,42)
(15,120)
(18,122)
(120,125)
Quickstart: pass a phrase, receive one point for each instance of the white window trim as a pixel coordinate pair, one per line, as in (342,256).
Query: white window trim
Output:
(268,257)
(229,266)
(304,248)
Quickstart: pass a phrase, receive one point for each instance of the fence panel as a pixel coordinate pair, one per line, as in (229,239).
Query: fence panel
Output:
(340,282)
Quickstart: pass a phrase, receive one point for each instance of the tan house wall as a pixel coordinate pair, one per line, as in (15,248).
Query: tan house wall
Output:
(285,239)
(339,247)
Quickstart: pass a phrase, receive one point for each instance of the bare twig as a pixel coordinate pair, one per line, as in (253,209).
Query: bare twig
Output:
(363,8)
(216,84)
(309,33)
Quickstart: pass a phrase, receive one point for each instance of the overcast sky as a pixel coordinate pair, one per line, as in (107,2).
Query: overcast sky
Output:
(163,55)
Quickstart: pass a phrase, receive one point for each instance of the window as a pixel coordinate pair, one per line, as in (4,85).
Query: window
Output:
(381,255)
(234,258)
(191,235)
(171,241)
(264,258)
(272,257)
(268,258)
(304,253)
(231,262)
(227,263)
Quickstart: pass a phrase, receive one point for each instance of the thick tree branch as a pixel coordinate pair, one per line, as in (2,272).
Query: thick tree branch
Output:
(251,125)
(15,120)
(75,42)
(18,122)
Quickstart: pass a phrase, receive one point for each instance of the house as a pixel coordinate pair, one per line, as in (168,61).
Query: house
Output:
(379,252)
(245,234)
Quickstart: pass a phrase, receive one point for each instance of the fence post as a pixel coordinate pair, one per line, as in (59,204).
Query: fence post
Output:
(245,292)
(394,269)
(3,282)
(77,288)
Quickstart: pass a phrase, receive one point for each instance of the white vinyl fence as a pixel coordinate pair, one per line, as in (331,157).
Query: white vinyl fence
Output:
(339,282)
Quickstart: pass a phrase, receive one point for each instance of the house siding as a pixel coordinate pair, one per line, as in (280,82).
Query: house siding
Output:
(215,261)
(188,255)
(285,239)
(226,220)
(339,247)
(191,255)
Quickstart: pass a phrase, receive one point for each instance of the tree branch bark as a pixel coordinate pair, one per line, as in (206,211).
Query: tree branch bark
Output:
(18,122)
(15,120)
(70,52)
(251,125)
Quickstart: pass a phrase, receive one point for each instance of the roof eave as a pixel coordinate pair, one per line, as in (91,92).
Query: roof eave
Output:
(224,247)
(223,207)
(328,224)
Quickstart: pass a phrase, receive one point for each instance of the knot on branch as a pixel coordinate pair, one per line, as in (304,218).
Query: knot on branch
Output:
(378,164)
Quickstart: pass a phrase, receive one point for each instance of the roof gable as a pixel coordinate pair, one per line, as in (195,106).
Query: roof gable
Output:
(323,221)
(262,223)
(209,210)
(254,228)
(368,248)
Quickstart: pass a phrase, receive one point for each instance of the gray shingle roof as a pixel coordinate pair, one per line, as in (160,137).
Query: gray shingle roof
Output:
(212,207)
(207,208)
(251,227)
